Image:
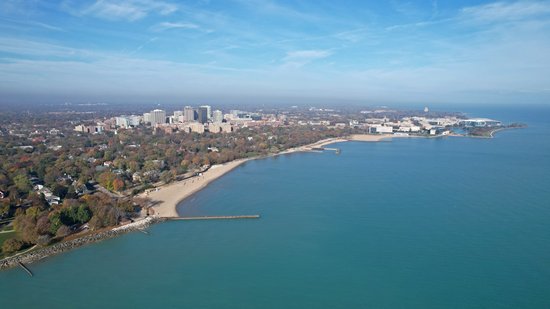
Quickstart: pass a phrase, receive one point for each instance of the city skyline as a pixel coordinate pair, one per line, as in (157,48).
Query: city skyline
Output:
(275,51)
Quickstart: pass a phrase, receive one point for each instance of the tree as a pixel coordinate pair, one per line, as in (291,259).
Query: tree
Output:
(44,240)
(166,177)
(55,222)
(5,208)
(75,215)
(60,190)
(84,214)
(106,180)
(43,225)
(25,225)
(22,183)
(38,201)
(118,184)
(63,231)
(12,245)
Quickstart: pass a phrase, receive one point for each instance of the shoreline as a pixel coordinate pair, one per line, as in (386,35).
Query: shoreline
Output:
(167,197)
(28,257)
(166,208)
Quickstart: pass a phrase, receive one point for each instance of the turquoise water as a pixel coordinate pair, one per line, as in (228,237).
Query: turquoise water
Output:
(411,223)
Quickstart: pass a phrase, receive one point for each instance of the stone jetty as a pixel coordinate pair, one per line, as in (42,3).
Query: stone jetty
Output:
(61,247)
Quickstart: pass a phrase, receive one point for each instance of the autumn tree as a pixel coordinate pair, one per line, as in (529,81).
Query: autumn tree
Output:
(12,245)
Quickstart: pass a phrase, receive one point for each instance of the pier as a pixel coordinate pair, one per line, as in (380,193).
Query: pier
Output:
(336,150)
(216,217)
(25,268)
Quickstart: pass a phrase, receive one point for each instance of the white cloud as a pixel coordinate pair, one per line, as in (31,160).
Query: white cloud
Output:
(130,10)
(503,11)
(300,58)
(35,48)
(177,25)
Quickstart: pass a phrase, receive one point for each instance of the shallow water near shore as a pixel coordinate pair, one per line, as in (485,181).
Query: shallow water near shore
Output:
(411,223)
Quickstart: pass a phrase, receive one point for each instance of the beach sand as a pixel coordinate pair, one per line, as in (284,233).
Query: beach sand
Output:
(166,198)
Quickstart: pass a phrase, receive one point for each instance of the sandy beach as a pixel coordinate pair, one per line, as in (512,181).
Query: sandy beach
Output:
(166,198)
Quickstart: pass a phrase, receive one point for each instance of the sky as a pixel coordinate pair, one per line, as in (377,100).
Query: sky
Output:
(275,51)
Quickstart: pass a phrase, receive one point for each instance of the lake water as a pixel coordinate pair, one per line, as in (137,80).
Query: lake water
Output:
(411,223)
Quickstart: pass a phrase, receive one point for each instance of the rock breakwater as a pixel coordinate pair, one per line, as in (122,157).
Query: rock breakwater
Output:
(61,247)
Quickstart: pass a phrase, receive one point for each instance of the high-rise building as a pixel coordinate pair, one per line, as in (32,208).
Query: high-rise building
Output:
(122,122)
(208,111)
(202,114)
(158,116)
(177,114)
(147,117)
(188,113)
(134,120)
(217,116)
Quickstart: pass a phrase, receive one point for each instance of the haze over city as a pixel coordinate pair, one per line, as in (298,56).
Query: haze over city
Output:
(260,51)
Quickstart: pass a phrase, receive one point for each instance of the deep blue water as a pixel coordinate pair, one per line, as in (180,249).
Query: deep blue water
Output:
(409,223)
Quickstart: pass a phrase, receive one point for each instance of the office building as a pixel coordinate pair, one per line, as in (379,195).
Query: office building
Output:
(217,116)
(202,114)
(158,116)
(188,114)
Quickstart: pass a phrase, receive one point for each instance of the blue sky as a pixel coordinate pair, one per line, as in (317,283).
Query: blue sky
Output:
(269,51)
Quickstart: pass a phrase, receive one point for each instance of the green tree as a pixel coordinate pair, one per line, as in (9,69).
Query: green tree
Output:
(22,183)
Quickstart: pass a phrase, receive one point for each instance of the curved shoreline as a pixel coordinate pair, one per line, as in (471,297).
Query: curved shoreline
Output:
(167,197)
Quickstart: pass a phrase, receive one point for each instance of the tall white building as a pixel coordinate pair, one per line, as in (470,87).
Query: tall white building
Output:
(122,122)
(158,116)
(147,117)
(134,120)
(217,116)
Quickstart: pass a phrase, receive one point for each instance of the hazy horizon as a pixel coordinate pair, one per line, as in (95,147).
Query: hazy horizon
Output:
(275,52)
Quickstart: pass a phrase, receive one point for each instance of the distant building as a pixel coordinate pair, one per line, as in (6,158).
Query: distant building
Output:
(217,116)
(208,111)
(177,114)
(134,120)
(89,129)
(147,118)
(220,128)
(202,114)
(196,127)
(379,129)
(189,114)
(158,116)
(122,122)
(480,122)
